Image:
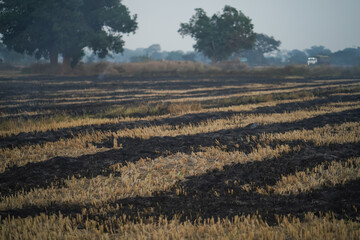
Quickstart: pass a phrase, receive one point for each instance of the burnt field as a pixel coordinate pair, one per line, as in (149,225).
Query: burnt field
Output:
(174,158)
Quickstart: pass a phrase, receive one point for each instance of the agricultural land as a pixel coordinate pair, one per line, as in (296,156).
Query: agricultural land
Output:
(160,157)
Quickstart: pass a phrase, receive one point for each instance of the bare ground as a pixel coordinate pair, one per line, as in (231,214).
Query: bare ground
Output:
(200,199)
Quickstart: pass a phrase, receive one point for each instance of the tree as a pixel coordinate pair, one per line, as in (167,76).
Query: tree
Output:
(318,50)
(154,52)
(221,35)
(175,55)
(297,57)
(47,28)
(190,56)
(263,44)
(346,57)
(155,48)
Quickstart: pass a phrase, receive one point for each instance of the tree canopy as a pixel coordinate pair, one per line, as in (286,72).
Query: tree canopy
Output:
(47,28)
(263,44)
(221,35)
(318,50)
(297,57)
(346,57)
(152,50)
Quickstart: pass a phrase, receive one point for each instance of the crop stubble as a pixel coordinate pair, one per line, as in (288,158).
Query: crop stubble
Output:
(179,158)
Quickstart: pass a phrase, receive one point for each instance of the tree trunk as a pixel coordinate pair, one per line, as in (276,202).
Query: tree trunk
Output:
(66,66)
(54,57)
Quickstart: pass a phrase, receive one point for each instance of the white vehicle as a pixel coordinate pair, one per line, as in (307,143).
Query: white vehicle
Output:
(312,61)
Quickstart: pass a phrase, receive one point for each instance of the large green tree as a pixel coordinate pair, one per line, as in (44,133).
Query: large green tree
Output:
(221,35)
(47,28)
(263,44)
(297,57)
(318,50)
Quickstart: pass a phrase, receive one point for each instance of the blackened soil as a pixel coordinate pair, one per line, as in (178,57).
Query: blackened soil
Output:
(44,173)
(214,194)
(34,138)
(220,194)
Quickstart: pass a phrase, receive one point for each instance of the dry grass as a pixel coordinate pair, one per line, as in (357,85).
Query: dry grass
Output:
(118,114)
(73,147)
(243,227)
(324,175)
(303,71)
(255,93)
(147,176)
(173,105)
(91,94)
(181,68)
(127,69)
(339,134)
(236,121)
(54,123)
(83,144)
(142,178)
(96,197)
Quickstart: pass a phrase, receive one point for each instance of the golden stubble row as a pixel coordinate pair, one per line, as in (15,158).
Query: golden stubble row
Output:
(15,126)
(73,147)
(90,94)
(149,175)
(161,173)
(19,125)
(244,227)
(256,93)
(348,132)
(82,144)
(178,95)
(142,178)
(327,174)
(235,121)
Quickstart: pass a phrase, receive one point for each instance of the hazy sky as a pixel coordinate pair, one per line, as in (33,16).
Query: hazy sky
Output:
(298,24)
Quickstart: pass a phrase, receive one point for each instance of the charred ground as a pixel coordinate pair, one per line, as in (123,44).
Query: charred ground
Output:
(222,116)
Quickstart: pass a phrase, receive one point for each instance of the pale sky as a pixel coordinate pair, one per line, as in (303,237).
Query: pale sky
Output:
(298,24)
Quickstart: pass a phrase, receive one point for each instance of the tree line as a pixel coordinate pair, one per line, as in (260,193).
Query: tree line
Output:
(345,57)
(91,30)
